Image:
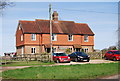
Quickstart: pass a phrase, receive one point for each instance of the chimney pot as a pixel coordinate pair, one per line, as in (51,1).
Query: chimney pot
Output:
(55,16)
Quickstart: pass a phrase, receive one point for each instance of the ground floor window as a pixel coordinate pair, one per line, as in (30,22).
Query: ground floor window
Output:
(22,50)
(70,49)
(86,49)
(77,49)
(54,49)
(33,50)
(48,50)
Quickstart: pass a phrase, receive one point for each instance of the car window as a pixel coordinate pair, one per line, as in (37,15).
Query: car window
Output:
(61,54)
(72,54)
(116,52)
(82,53)
(109,52)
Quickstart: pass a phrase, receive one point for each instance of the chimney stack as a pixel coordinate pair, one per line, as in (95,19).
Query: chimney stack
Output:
(55,16)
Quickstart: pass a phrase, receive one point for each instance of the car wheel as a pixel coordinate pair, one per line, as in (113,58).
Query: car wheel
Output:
(68,62)
(105,58)
(76,59)
(114,59)
(57,61)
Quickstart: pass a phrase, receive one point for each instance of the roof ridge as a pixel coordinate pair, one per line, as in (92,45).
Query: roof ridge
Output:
(81,23)
(25,21)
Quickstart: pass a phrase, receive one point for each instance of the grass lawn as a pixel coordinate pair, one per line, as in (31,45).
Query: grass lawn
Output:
(30,63)
(81,71)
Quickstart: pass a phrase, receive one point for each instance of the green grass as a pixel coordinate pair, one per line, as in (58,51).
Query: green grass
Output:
(30,63)
(82,71)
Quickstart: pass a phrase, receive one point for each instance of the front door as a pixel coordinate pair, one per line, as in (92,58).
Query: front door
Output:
(77,49)
(48,50)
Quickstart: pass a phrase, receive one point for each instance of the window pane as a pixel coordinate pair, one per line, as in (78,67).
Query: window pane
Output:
(86,38)
(54,37)
(21,37)
(31,50)
(33,36)
(70,37)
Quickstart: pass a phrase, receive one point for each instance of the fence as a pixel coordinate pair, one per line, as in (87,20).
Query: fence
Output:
(27,58)
(36,57)
(41,57)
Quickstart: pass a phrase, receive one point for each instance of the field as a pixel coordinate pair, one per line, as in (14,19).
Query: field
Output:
(81,71)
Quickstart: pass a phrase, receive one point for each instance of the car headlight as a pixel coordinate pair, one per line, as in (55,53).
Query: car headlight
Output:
(68,57)
(80,56)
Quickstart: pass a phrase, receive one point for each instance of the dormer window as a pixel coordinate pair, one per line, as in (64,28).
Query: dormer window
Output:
(33,37)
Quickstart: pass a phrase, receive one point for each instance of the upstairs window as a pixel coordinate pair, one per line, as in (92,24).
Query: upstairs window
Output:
(21,37)
(20,27)
(33,37)
(70,37)
(54,37)
(85,38)
(33,50)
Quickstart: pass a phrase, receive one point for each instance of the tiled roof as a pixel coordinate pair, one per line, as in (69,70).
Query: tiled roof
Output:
(77,46)
(61,27)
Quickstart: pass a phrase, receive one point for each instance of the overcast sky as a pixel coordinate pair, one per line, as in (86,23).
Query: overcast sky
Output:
(101,17)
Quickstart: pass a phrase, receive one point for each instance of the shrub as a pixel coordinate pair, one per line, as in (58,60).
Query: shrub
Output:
(68,51)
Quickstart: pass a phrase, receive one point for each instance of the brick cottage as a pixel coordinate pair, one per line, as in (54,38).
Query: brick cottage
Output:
(34,36)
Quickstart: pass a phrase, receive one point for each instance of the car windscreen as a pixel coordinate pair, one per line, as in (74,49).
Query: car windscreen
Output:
(82,54)
(61,54)
(116,52)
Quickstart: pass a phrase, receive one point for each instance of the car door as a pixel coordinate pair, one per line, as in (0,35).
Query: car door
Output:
(72,56)
(54,56)
(110,55)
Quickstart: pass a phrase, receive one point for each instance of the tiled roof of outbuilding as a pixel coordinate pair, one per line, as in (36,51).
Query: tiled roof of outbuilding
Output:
(61,27)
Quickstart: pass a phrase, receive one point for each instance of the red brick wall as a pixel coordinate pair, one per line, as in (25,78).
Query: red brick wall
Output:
(90,40)
(27,39)
(61,39)
(18,38)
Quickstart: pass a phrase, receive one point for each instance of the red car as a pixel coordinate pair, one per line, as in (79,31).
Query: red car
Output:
(112,55)
(60,57)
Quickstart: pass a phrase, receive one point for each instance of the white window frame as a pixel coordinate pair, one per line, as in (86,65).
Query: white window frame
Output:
(86,50)
(21,37)
(86,38)
(54,49)
(33,50)
(33,37)
(19,27)
(54,36)
(22,51)
(69,37)
(70,49)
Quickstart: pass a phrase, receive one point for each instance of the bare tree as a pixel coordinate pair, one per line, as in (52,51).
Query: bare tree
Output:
(5,3)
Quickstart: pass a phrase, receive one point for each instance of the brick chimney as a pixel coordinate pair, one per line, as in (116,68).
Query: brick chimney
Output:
(55,16)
